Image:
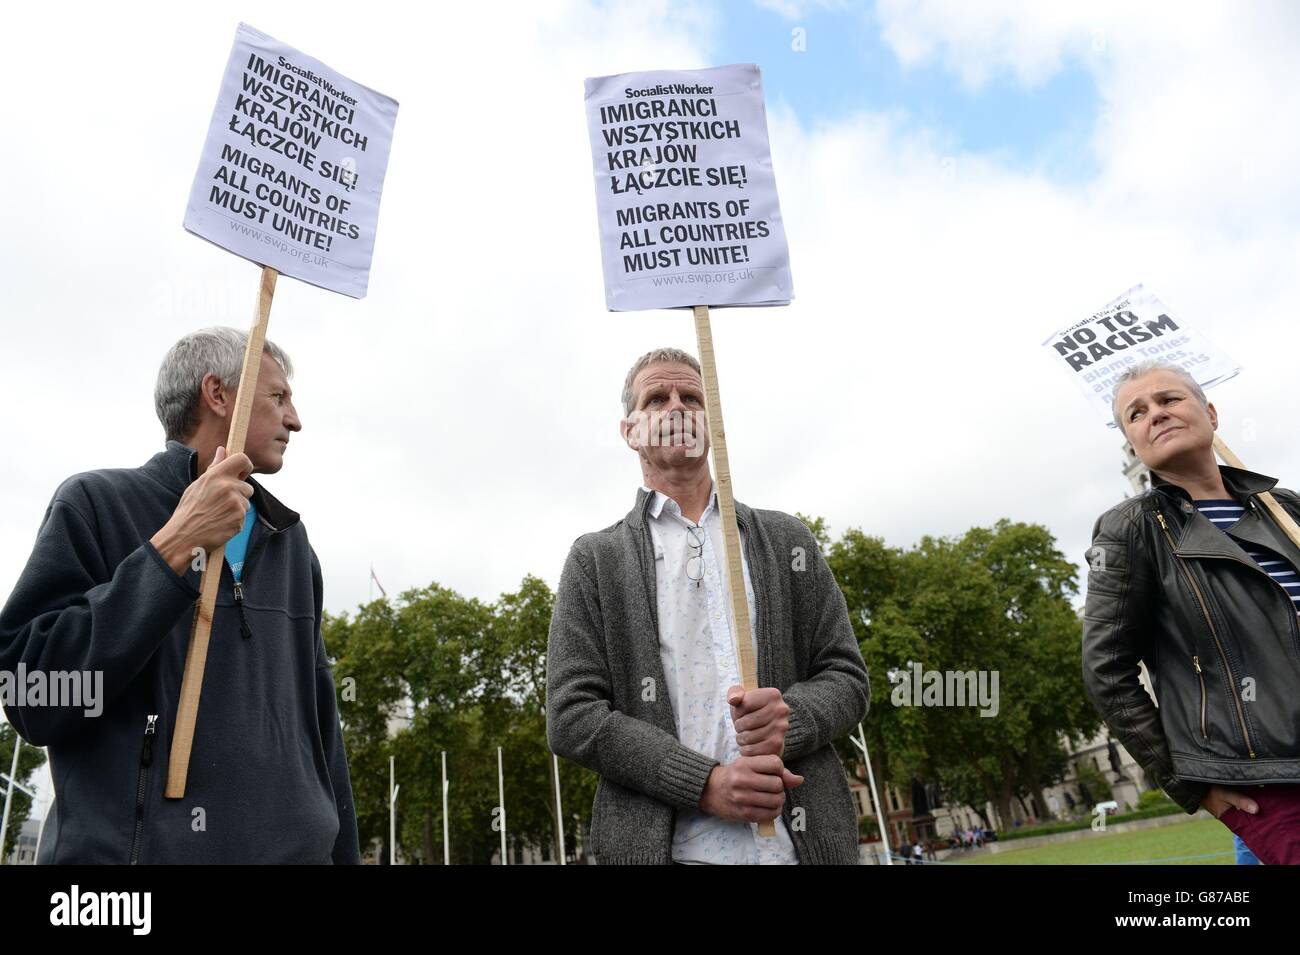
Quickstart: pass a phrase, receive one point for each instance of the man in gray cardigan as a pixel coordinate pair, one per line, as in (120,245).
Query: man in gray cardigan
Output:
(642,681)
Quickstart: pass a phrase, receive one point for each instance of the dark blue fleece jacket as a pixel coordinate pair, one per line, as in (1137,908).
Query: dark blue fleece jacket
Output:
(268,774)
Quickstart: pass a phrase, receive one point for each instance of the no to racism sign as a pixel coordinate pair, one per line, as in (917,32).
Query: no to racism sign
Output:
(685,195)
(293,166)
(1135,327)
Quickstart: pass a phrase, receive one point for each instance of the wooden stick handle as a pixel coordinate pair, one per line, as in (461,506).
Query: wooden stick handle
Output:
(741,627)
(196,656)
(1284,519)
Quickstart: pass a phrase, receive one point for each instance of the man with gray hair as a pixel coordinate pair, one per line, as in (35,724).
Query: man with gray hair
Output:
(111,587)
(642,683)
(1196,579)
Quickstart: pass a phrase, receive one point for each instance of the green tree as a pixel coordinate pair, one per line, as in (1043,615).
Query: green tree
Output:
(30,759)
(471,677)
(996,600)
(521,624)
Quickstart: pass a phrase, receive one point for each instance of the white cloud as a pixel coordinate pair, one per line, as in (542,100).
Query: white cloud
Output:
(1197,99)
(798,9)
(979,40)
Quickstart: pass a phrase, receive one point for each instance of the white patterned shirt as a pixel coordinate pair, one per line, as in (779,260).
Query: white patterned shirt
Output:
(699,663)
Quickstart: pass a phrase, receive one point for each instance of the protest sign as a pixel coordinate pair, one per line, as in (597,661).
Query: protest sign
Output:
(292,170)
(1135,327)
(289,177)
(685,196)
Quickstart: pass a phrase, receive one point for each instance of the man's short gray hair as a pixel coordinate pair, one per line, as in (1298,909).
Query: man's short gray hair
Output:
(217,350)
(673,356)
(1145,368)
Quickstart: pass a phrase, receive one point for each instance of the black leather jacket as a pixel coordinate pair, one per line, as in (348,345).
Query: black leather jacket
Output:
(1219,637)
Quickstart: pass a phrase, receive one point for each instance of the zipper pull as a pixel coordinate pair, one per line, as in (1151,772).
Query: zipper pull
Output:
(1196,662)
(245,630)
(146,754)
(1161,518)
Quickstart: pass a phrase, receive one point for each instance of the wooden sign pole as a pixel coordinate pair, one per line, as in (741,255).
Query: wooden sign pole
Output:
(741,629)
(196,657)
(1284,520)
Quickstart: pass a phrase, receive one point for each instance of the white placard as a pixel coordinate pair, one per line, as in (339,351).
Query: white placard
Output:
(1134,327)
(293,166)
(685,195)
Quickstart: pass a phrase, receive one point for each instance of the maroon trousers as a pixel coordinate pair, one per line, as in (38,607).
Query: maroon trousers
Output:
(1273,833)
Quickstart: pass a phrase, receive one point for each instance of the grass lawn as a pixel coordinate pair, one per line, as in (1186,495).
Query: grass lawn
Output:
(1167,845)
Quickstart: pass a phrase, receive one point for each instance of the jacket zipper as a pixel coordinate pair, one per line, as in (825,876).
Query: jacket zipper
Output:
(1196,664)
(245,630)
(142,786)
(1205,611)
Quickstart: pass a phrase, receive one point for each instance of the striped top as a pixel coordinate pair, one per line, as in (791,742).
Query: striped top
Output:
(1223,514)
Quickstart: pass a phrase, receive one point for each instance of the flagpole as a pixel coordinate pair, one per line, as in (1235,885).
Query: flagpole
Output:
(9,791)
(392,812)
(501,794)
(559,811)
(861,743)
(446,843)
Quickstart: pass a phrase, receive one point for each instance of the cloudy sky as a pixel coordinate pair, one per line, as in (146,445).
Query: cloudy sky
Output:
(958,181)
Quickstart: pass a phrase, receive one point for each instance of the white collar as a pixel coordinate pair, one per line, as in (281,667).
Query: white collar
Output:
(658,500)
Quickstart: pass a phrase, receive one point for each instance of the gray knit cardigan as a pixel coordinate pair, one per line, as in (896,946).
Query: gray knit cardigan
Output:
(607,707)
